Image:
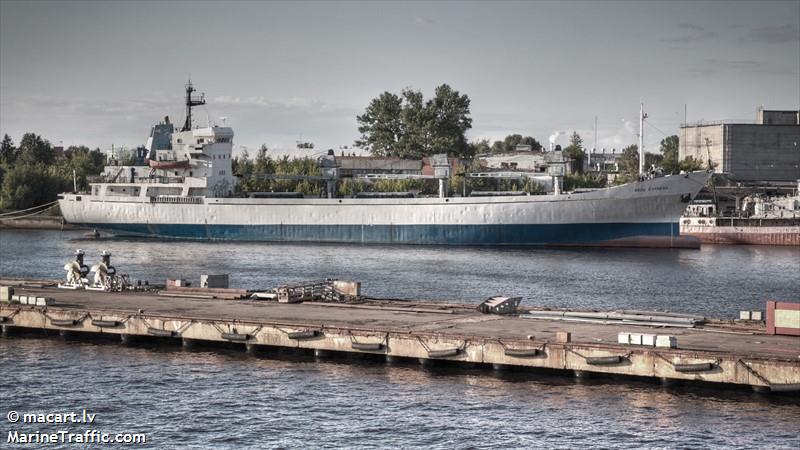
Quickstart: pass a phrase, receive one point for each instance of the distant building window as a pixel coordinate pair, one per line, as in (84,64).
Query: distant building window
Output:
(200,141)
(180,141)
(223,140)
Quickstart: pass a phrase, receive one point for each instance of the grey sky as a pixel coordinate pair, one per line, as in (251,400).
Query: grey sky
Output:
(98,73)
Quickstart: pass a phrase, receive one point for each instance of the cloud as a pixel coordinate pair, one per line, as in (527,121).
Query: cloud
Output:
(779,34)
(291,105)
(91,107)
(424,21)
(711,66)
(628,126)
(255,119)
(691,33)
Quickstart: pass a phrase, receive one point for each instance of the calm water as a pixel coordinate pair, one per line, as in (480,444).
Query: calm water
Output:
(229,399)
(717,280)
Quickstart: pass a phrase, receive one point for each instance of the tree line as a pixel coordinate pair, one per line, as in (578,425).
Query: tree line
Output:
(32,173)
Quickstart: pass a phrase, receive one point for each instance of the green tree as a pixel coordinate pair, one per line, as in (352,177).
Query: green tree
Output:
(8,153)
(26,185)
(690,164)
(669,149)
(33,149)
(416,125)
(535,145)
(448,114)
(509,144)
(575,151)
(407,126)
(576,140)
(380,126)
(81,162)
(584,180)
(480,147)
(629,164)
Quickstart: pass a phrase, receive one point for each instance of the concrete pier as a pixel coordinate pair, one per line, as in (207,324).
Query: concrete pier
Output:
(711,353)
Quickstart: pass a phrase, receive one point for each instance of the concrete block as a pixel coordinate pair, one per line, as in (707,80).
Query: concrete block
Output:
(563,336)
(756,315)
(624,338)
(177,283)
(352,288)
(6,292)
(214,281)
(23,299)
(636,339)
(649,340)
(15,299)
(288,296)
(666,341)
(43,301)
(744,315)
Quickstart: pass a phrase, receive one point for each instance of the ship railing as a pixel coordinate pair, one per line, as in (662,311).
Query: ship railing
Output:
(137,180)
(177,199)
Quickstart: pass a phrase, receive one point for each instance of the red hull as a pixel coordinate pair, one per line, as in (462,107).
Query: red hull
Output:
(747,238)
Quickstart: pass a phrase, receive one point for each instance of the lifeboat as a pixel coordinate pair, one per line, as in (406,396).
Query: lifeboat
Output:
(173,164)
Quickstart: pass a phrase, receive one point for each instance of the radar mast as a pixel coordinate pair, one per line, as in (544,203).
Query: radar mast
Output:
(190,102)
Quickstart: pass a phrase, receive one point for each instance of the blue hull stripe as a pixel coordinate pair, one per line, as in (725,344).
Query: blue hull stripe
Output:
(563,234)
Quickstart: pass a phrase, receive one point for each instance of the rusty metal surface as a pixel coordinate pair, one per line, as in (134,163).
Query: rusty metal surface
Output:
(461,324)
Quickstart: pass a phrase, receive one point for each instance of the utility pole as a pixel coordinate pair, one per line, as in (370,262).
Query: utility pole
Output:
(642,116)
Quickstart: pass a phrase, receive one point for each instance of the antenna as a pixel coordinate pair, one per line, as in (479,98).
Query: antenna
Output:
(223,119)
(190,102)
(594,147)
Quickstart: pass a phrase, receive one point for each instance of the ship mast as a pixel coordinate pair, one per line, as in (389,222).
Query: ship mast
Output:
(191,101)
(642,116)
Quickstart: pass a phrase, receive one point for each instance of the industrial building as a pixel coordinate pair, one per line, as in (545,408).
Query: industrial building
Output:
(767,150)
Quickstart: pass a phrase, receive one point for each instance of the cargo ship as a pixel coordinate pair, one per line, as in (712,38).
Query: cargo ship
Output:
(187,191)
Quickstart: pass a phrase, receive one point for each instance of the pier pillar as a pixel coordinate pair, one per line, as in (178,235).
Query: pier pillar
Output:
(320,353)
(127,339)
(250,348)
